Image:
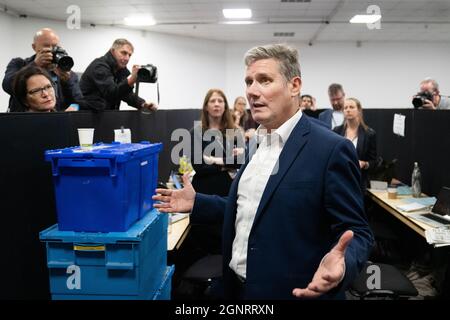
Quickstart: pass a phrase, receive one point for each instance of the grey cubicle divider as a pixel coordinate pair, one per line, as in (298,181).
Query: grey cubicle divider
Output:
(389,145)
(426,140)
(432,148)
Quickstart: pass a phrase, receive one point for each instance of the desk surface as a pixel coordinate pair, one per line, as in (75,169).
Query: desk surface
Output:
(177,232)
(381,198)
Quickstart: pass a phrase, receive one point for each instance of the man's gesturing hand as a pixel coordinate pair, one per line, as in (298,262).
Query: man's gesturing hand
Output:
(176,200)
(330,272)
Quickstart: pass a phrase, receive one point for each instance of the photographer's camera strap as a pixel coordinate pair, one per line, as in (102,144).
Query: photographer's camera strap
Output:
(157,89)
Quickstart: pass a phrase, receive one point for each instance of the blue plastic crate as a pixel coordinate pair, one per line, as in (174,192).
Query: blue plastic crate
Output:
(85,265)
(106,188)
(164,291)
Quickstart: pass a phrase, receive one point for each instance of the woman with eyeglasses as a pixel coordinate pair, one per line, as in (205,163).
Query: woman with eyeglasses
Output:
(33,88)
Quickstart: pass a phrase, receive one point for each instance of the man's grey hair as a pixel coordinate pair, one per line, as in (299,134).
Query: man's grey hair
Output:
(287,57)
(334,89)
(118,43)
(432,81)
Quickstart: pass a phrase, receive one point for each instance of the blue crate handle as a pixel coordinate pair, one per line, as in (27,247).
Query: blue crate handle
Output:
(84,163)
(119,265)
(59,264)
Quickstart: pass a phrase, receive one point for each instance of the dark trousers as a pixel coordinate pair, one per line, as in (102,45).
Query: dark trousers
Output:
(239,285)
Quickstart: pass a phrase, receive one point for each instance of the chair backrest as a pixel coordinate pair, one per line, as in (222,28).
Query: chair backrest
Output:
(206,268)
(382,281)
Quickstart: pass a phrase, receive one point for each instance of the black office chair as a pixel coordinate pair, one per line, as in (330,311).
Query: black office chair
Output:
(393,284)
(202,280)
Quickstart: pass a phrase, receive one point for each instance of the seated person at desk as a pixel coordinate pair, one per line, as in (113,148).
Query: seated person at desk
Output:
(34,89)
(363,138)
(107,81)
(65,83)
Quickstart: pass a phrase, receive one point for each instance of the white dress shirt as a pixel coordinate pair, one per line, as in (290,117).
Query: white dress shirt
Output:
(251,186)
(337,119)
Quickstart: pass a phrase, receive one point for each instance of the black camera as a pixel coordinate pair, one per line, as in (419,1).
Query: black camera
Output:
(419,99)
(147,73)
(62,59)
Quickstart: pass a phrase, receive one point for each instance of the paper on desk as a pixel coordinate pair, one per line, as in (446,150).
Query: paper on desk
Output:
(404,191)
(174,217)
(426,201)
(439,237)
(399,124)
(414,206)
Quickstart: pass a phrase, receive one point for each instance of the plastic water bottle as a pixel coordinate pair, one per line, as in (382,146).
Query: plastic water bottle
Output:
(185,165)
(416,181)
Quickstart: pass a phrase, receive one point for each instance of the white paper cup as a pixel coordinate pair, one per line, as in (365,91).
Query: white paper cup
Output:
(86,137)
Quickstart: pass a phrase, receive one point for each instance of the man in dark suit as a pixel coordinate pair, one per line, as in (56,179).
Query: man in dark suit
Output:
(293,222)
(334,117)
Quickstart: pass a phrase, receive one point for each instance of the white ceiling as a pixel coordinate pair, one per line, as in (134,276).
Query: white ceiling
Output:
(316,21)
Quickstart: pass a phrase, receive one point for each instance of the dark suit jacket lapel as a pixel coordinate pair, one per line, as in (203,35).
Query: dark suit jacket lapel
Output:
(330,118)
(292,148)
(361,142)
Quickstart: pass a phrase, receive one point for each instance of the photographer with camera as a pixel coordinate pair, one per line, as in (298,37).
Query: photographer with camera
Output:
(54,59)
(429,96)
(107,81)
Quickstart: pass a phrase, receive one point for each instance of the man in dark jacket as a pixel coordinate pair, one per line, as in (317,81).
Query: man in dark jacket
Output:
(67,89)
(107,81)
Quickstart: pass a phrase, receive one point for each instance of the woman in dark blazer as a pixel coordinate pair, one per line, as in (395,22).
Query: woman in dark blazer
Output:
(214,170)
(216,134)
(362,136)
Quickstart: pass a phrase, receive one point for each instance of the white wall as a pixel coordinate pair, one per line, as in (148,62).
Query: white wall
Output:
(381,75)
(187,67)
(5,54)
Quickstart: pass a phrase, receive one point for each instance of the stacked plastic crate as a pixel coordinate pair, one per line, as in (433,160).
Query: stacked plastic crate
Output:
(108,243)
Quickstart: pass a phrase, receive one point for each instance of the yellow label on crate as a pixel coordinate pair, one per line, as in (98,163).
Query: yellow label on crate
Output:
(88,248)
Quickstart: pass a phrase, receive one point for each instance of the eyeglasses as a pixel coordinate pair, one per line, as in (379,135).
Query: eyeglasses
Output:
(48,88)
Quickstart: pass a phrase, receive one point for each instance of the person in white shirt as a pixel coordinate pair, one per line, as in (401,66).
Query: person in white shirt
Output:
(294,224)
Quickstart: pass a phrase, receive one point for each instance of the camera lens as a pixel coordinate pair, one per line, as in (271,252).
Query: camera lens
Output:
(417,102)
(62,59)
(65,63)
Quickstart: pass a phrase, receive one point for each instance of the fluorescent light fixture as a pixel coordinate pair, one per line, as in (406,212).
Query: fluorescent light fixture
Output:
(240,22)
(139,20)
(365,18)
(237,13)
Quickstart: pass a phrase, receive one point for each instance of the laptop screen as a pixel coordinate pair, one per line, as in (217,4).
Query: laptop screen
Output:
(442,205)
